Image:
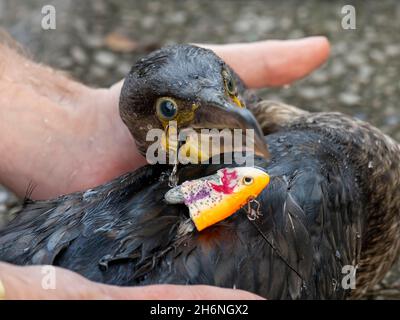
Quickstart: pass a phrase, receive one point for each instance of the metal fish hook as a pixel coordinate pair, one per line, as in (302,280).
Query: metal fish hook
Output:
(253,214)
(173,178)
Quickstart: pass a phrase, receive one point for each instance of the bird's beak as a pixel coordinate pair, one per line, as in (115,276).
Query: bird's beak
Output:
(233,129)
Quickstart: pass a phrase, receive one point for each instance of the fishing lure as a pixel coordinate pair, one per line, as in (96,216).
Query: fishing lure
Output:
(214,198)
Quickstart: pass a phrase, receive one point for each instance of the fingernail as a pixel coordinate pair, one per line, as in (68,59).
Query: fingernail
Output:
(2,291)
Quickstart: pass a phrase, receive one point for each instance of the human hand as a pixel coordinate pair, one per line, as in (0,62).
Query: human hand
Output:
(27,283)
(61,136)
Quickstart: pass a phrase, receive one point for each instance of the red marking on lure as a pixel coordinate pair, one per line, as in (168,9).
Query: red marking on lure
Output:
(226,179)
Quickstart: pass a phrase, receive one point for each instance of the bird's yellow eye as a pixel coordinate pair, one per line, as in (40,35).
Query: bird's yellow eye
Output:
(230,85)
(248,181)
(167,109)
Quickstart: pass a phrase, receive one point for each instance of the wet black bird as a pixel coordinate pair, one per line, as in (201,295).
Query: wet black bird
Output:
(333,201)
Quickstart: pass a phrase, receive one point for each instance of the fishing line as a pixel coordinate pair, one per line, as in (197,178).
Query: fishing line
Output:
(252,218)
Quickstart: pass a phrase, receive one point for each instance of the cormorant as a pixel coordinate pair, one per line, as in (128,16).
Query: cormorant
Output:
(332,206)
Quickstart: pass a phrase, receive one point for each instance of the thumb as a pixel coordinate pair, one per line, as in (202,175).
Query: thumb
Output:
(274,62)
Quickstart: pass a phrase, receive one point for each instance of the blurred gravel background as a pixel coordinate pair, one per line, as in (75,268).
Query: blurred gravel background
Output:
(98,41)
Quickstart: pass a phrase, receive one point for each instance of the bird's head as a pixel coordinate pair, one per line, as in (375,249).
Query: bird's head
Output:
(188,85)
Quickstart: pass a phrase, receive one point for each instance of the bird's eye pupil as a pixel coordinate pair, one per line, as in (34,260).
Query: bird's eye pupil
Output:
(167,109)
(248,180)
(231,86)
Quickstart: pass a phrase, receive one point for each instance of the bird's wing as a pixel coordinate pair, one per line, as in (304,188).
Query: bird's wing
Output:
(44,228)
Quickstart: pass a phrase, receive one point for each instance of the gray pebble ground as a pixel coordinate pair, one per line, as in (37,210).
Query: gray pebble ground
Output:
(98,41)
